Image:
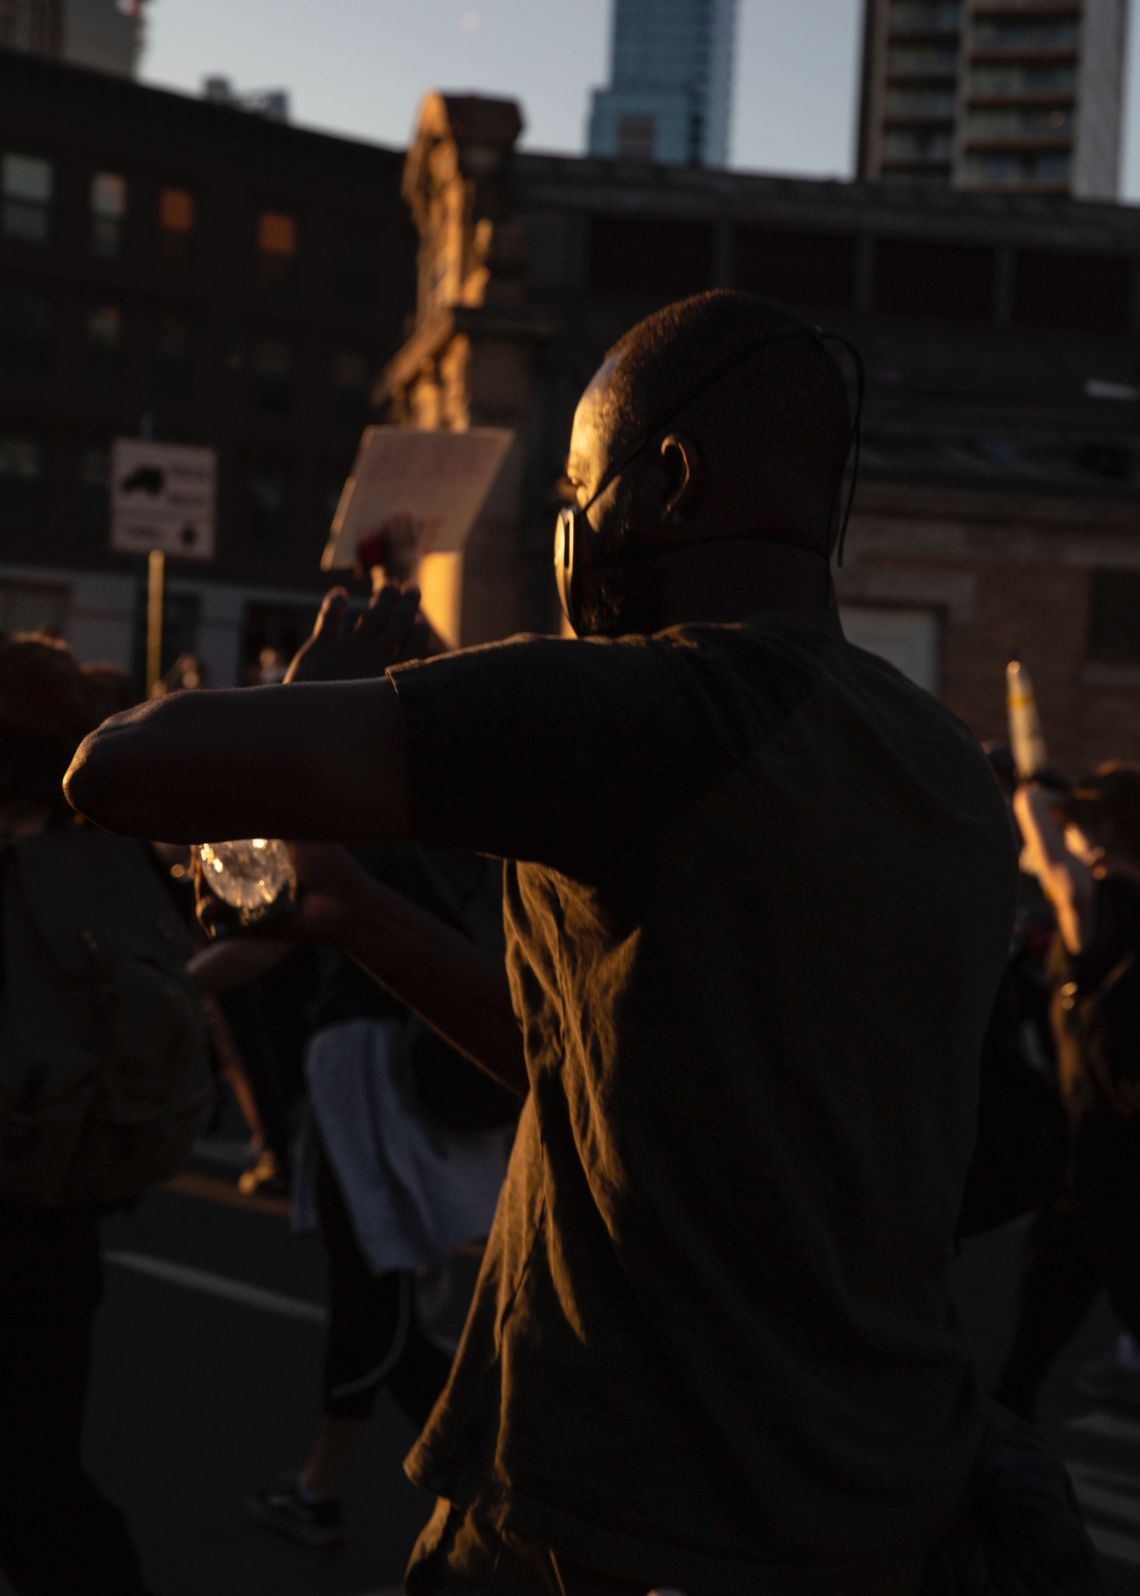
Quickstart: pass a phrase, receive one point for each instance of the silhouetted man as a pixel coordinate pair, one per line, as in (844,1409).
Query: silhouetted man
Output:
(758,894)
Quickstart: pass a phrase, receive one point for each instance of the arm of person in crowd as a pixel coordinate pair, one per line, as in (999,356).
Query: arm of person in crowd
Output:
(563,753)
(235,962)
(1066,880)
(454,986)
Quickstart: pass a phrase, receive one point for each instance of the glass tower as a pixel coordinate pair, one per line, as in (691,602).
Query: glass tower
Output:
(671,83)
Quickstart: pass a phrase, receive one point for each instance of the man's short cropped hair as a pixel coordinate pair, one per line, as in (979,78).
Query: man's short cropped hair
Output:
(779,413)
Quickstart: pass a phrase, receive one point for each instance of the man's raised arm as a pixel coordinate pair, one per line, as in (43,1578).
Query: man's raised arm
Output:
(323,761)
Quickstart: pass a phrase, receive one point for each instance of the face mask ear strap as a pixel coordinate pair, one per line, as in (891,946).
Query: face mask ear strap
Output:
(564,572)
(855,437)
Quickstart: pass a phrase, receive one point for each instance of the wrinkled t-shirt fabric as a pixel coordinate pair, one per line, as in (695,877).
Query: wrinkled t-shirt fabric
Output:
(758,893)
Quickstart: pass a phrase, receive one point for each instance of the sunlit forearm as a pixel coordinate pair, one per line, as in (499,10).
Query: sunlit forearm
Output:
(323,762)
(454,986)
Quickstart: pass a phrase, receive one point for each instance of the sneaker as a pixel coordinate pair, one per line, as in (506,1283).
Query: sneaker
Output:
(311,1521)
(265,1177)
(1113,1379)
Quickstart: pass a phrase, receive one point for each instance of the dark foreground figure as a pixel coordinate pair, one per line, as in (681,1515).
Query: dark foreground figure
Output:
(59,1535)
(758,891)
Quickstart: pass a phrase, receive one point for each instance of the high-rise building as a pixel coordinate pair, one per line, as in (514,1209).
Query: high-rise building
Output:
(105,35)
(670,83)
(1018,96)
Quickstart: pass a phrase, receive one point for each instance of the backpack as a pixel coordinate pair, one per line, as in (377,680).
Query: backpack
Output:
(104,1072)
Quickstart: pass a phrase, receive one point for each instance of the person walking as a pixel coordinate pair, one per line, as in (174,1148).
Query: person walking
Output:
(758,893)
(1085,848)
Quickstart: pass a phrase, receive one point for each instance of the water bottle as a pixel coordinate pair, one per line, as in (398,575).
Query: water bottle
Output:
(254,879)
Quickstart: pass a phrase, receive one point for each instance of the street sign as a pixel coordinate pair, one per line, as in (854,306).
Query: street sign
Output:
(162,498)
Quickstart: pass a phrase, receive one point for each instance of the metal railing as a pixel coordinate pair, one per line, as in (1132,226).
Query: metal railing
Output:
(1022,80)
(907,16)
(1027,125)
(1053,170)
(909,102)
(1014,36)
(942,62)
(904,147)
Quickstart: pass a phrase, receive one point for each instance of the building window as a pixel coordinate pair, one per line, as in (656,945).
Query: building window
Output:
(1113,636)
(272,634)
(809,270)
(181,620)
(21,478)
(330,496)
(636,136)
(1048,170)
(929,147)
(25,330)
(105,329)
(1081,293)
(352,375)
(915,278)
(1003,81)
(108,213)
(359,255)
(650,260)
(105,343)
(356,286)
(176,222)
(173,365)
(94,491)
(276,245)
(926,104)
(34,607)
(25,197)
(937,61)
(273,376)
(1017,34)
(268,505)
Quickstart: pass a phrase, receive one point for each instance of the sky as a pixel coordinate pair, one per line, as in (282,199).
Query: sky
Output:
(360,67)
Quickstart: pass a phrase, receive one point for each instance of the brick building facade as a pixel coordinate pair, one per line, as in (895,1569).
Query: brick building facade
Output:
(206,276)
(998,505)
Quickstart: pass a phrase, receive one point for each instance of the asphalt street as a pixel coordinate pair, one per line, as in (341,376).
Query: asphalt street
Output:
(206,1385)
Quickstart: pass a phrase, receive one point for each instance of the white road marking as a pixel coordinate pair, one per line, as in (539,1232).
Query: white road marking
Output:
(1117,1548)
(220,1286)
(1110,1425)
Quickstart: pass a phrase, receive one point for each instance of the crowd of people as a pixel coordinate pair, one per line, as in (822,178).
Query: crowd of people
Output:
(750,1135)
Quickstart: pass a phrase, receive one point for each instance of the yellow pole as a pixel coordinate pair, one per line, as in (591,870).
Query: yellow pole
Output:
(155,585)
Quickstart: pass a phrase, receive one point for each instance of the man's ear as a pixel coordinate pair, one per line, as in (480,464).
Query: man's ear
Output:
(681,461)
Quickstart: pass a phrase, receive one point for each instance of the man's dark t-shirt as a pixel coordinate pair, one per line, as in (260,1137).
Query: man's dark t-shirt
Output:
(758,896)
